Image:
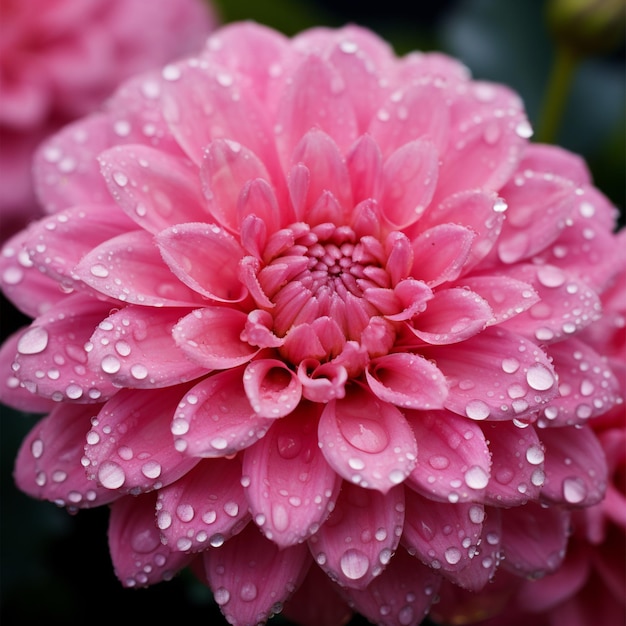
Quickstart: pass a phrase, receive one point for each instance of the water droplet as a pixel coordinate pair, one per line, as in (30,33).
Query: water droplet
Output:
(477,410)
(222,596)
(151,469)
(111,475)
(33,341)
(534,455)
(354,564)
(120,178)
(574,490)
(453,555)
(539,377)
(439,462)
(139,371)
(476,477)
(248,592)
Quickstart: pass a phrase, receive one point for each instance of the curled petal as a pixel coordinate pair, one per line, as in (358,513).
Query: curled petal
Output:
(454,463)
(495,375)
(451,316)
(258,330)
(211,337)
(367,441)
(575,466)
(155,189)
(410,177)
(322,382)
(272,388)
(440,253)
(534,539)
(373,521)
(250,576)
(48,464)
(407,380)
(139,558)
(193,251)
(227,168)
(442,535)
(129,445)
(135,348)
(290,486)
(215,418)
(205,508)
(129,268)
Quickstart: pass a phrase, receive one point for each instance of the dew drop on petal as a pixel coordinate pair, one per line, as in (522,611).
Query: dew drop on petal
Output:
(111,475)
(33,341)
(574,490)
(222,596)
(476,477)
(248,592)
(477,410)
(539,377)
(354,564)
(534,455)
(452,555)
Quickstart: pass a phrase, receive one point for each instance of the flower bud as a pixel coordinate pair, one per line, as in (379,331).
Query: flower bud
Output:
(587,26)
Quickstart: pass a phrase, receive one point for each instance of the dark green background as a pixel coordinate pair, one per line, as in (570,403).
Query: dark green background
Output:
(55,568)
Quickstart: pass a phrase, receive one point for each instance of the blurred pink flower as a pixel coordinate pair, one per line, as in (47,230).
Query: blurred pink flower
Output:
(319,307)
(59,59)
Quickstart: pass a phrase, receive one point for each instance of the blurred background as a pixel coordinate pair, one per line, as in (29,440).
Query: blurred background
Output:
(55,568)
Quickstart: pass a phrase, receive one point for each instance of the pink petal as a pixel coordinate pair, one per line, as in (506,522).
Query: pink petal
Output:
(154,188)
(440,253)
(202,104)
(211,337)
(534,539)
(250,576)
(442,535)
(454,463)
(554,160)
(587,386)
(566,304)
(193,251)
(517,468)
(373,523)
(257,199)
(365,167)
(480,211)
(129,268)
(227,167)
(537,209)
(134,348)
(48,464)
(304,606)
(272,388)
(11,392)
(215,418)
(314,96)
(482,567)
(451,316)
(484,150)
(366,441)
(22,282)
(495,375)
(403,593)
(418,111)
(139,558)
(407,380)
(327,172)
(85,226)
(51,359)
(290,486)
(204,508)
(322,382)
(409,181)
(506,296)
(65,169)
(575,466)
(129,447)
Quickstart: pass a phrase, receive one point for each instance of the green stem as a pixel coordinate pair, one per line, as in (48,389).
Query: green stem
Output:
(561,78)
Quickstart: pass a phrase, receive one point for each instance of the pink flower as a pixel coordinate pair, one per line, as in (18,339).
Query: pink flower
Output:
(302,306)
(59,59)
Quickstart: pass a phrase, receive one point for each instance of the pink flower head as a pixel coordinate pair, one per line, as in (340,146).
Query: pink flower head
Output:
(59,59)
(309,315)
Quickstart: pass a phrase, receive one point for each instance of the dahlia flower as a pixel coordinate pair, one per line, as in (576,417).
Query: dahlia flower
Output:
(309,316)
(60,59)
